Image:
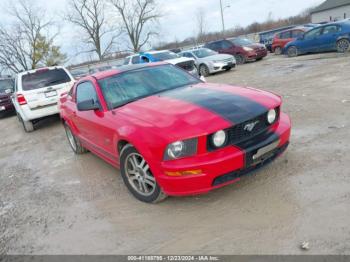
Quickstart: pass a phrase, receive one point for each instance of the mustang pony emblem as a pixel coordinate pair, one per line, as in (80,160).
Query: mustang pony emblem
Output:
(249,127)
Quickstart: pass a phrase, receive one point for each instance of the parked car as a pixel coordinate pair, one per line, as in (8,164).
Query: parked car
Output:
(242,49)
(165,55)
(6,90)
(37,93)
(281,39)
(328,37)
(171,133)
(209,62)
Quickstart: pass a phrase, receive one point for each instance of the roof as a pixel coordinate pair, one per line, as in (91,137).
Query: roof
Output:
(124,68)
(330,4)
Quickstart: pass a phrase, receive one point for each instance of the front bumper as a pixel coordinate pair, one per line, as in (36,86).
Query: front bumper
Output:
(6,108)
(218,67)
(221,167)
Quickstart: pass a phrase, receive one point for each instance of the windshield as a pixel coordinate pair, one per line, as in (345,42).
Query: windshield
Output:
(165,56)
(241,41)
(6,84)
(132,85)
(44,78)
(204,52)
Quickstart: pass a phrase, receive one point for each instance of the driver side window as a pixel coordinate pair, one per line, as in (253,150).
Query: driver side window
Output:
(313,33)
(86,91)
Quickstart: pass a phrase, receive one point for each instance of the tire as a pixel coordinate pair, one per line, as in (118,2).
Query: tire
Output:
(138,177)
(292,51)
(204,70)
(240,59)
(74,142)
(343,45)
(278,50)
(228,69)
(28,126)
(259,59)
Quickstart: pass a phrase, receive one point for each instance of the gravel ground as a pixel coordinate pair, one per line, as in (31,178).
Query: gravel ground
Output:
(54,202)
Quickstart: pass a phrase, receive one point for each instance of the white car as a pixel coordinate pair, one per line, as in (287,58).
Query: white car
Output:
(185,63)
(37,93)
(210,62)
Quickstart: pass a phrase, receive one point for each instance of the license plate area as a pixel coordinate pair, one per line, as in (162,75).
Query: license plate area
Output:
(51,94)
(265,153)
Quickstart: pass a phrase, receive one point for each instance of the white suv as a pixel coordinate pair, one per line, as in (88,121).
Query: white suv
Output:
(37,93)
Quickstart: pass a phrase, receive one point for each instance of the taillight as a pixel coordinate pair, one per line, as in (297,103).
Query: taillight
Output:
(21,99)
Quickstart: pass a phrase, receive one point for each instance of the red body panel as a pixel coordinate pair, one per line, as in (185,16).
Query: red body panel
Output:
(151,123)
(283,38)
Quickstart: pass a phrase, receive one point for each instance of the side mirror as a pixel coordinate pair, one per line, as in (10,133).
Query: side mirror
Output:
(88,105)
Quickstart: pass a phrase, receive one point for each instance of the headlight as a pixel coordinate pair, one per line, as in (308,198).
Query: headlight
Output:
(271,116)
(181,149)
(219,138)
(248,49)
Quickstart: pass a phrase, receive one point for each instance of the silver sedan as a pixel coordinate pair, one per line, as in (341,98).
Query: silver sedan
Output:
(209,62)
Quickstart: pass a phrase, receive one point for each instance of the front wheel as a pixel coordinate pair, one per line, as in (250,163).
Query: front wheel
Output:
(240,59)
(138,177)
(204,70)
(292,51)
(343,45)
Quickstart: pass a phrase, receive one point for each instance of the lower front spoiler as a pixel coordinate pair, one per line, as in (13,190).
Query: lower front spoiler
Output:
(233,176)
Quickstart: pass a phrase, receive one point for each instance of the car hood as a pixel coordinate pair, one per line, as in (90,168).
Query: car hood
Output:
(200,109)
(218,57)
(256,46)
(178,60)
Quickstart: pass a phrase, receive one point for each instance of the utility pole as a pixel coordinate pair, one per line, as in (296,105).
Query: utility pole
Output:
(222,17)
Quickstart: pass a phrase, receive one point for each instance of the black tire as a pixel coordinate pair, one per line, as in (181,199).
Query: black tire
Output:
(343,45)
(292,51)
(240,59)
(156,195)
(74,142)
(228,69)
(259,59)
(28,126)
(204,70)
(278,50)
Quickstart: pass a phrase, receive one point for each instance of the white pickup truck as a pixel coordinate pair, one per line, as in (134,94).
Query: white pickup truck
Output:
(37,93)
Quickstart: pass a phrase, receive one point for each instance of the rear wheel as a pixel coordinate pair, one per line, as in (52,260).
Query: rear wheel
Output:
(292,51)
(204,70)
(28,126)
(240,59)
(278,50)
(74,141)
(138,177)
(343,45)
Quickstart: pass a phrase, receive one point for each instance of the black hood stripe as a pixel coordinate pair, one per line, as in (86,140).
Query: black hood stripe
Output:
(234,108)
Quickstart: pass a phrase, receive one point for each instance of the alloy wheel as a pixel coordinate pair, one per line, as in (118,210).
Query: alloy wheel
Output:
(343,45)
(139,174)
(71,138)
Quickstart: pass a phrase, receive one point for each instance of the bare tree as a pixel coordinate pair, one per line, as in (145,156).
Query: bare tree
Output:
(137,16)
(89,15)
(201,25)
(28,42)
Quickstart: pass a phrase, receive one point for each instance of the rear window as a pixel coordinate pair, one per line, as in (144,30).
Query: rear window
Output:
(44,78)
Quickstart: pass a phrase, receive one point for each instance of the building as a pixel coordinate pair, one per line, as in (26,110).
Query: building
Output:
(331,10)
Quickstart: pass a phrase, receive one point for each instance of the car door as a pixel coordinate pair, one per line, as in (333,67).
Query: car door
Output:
(311,41)
(285,37)
(94,125)
(329,37)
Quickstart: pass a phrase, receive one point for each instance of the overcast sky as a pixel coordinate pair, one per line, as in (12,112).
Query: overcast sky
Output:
(178,21)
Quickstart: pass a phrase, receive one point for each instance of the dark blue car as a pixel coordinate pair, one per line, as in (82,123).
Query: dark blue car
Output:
(329,37)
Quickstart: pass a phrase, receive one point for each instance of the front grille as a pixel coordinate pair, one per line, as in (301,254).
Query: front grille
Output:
(228,60)
(188,65)
(239,133)
(4,101)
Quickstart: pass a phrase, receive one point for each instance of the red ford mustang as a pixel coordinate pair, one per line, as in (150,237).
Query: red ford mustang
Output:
(169,132)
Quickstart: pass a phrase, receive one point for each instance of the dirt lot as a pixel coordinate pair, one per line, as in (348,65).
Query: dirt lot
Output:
(53,202)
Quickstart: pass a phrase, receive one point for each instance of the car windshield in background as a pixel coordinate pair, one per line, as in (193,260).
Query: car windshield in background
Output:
(165,56)
(44,78)
(241,41)
(132,85)
(204,52)
(6,84)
